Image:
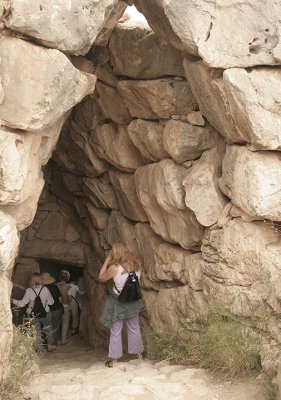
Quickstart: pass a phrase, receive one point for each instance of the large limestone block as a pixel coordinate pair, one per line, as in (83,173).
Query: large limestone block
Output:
(160,190)
(9,242)
(50,137)
(165,264)
(243,105)
(68,26)
(156,16)
(113,144)
(88,114)
(209,29)
(76,154)
(209,91)
(148,243)
(186,142)
(124,188)
(183,303)
(62,251)
(147,136)
(111,20)
(120,229)
(252,181)
(172,263)
(53,227)
(242,262)
(24,212)
(202,193)
(111,104)
(99,216)
(159,98)
(51,85)
(100,192)
(255,103)
(137,52)
(18,155)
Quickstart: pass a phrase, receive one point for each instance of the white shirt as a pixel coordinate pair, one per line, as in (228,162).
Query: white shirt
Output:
(120,279)
(73,290)
(29,297)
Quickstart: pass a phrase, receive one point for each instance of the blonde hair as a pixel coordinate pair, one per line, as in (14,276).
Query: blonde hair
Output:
(35,280)
(121,254)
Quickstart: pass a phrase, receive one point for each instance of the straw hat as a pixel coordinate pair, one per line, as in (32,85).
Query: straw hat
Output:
(47,278)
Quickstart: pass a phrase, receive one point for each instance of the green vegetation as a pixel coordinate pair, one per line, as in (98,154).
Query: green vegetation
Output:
(23,358)
(223,345)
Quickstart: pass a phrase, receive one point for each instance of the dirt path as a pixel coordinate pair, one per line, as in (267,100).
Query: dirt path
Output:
(76,372)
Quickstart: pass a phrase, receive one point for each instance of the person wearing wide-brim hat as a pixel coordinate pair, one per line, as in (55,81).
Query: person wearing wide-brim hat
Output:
(57,308)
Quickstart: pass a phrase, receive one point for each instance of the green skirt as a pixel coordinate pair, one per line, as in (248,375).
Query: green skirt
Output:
(114,310)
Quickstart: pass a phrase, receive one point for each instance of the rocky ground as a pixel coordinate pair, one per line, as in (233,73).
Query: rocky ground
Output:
(77,372)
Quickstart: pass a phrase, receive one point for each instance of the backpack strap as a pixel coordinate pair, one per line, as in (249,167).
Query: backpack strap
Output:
(118,291)
(39,291)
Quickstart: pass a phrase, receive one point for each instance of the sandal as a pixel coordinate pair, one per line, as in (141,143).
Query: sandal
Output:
(110,363)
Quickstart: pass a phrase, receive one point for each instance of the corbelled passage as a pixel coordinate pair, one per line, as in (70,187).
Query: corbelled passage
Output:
(165,136)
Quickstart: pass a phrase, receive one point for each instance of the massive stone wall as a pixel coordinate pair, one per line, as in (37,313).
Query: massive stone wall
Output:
(176,151)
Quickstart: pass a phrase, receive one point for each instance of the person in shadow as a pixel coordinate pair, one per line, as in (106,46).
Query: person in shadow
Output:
(42,321)
(56,308)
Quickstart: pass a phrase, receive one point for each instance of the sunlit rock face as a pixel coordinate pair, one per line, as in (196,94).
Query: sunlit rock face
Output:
(71,27)
(165,136)
(209,30)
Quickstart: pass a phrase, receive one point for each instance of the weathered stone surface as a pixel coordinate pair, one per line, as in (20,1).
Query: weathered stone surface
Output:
(50,137)
(23,270)
(209,91)
(76,154)
(44,95)
(113,143)
(124,188)
(255,103)
(99,216)
(160,190)
(158,20)
(61,251)
(147,136)
(88,114)
(17,165)
(183,303)
(195,118)
(111,104)
(210,30)
(137,52)
(252,181)
(159,98)
(105,74)
(111,20)
(100,192)
(9,242)
(24,212)
(242,267)
(70,27)
(243,105)
(166,264)
(202,194)
(185,142)
(121,229)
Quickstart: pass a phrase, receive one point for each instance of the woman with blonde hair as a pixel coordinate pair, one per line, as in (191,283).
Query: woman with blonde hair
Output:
(35,290)
(117,266)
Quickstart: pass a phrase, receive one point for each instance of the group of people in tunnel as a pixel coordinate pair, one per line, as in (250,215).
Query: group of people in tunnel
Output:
(61,299)
(60,303)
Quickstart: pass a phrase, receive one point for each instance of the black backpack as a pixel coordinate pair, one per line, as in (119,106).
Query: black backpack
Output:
(131,290)
(38,309)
